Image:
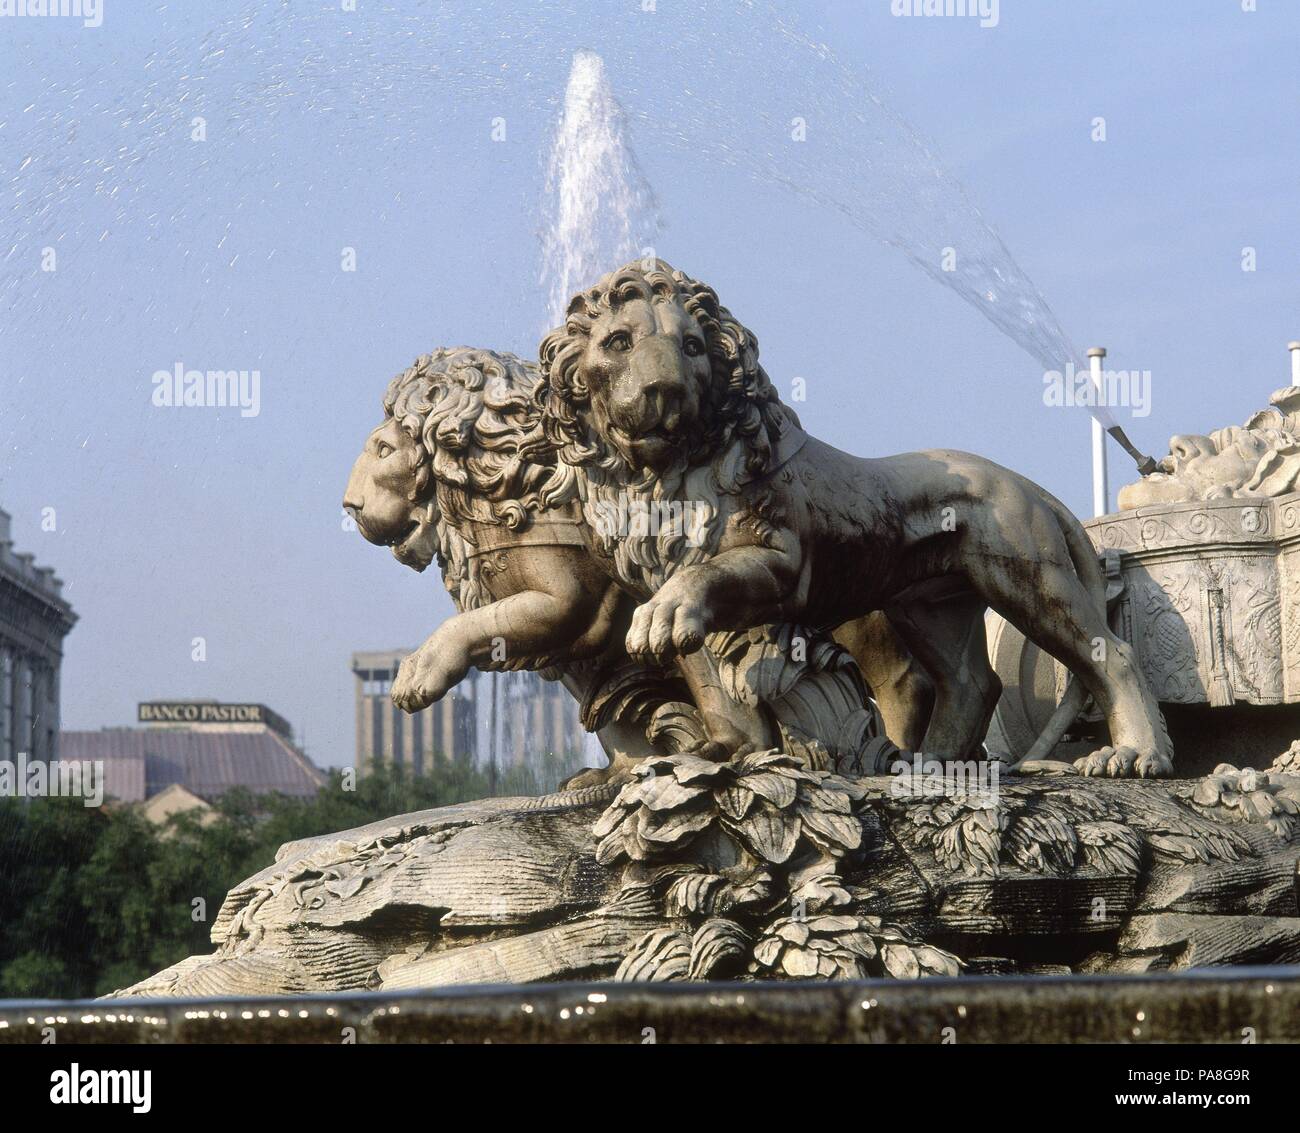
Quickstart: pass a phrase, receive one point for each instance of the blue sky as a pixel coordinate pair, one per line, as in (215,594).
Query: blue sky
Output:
(372,130)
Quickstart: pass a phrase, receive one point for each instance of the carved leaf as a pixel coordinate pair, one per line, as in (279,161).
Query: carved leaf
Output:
(1041,842)
(346,887)
(799,963)
(776,788)
(900,962)
(718,944)
(830,800)
(1190,838)
(836,833)
(756,887)
(673,827)
(972,845)
(658,792)
(610,821)
(694,893)
(661,955)
(690,768)
(822,892)
(936,962)
(1110,847)
(789,766)
(734,802)
(612,848)
(793,932)
(861,944)
(769,833)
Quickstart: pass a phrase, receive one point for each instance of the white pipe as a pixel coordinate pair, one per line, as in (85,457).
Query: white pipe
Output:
(1100,484)
(1294,347)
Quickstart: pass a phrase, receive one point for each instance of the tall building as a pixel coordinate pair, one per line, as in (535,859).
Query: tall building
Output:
(534,719)
(446,730)
(34,620)
(493,719)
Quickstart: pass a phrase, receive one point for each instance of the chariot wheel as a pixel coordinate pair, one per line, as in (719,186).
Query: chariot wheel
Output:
(1032,684)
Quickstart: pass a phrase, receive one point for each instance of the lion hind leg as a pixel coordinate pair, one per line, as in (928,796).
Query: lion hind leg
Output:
(899,683)
(942,624)
(1050,605)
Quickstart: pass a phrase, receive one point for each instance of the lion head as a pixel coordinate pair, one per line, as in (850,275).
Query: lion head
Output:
(461,442)
(650,371)
(653,390)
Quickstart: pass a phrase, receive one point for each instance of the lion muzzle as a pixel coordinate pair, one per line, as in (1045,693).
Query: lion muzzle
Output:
(655,391)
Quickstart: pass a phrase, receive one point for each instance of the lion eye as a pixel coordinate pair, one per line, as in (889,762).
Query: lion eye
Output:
(693,346)
(384,449)
(619,340)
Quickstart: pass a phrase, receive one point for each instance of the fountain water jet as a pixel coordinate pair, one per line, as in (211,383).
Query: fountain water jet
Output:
(600,210)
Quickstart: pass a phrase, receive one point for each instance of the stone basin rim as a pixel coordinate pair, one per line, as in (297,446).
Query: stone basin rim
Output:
(1201,977)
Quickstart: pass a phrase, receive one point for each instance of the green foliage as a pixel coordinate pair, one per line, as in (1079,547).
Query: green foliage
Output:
(94,899)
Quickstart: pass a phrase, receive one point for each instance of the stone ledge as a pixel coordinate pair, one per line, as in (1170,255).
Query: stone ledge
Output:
(1196,1007)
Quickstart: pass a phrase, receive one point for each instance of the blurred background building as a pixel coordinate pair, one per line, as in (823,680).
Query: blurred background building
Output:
(498,721)
(446,730)
(34,620)
(188,753)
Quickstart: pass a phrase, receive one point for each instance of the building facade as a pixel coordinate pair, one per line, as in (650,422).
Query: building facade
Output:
(199,748)
(34,620)
(534,720)
(446,730)
(498,720)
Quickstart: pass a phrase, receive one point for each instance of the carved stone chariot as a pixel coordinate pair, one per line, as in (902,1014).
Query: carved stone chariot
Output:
(1205,584)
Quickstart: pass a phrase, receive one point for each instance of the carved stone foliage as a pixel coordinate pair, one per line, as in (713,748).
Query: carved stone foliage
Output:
(774,867)
(748,854)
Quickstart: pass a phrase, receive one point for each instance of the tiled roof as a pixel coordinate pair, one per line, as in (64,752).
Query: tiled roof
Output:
(140,762)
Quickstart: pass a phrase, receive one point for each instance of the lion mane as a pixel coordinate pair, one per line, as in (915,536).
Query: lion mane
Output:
(485,456)
(733,440)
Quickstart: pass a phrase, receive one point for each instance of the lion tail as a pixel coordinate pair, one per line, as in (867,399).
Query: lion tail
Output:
(1084,559)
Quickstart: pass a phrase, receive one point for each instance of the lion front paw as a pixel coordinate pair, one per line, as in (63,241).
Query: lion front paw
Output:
(423,678)
(1124,763)
(718,752)
(670,624)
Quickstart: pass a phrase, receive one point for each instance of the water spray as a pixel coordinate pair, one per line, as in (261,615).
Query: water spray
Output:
(599,208)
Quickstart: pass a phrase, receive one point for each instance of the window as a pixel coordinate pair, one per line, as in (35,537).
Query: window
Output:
(6,704)
(417,741)
(23,694)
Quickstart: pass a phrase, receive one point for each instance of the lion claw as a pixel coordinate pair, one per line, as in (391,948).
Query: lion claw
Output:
(670,624)
(1124,762)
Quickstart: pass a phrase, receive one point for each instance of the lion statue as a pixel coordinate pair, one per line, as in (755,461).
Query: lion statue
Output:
(460,471)
(654,390)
